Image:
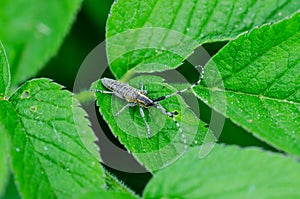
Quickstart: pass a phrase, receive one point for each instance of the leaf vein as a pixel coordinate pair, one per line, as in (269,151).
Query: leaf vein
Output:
(209,15)
(275,11)
(256,58)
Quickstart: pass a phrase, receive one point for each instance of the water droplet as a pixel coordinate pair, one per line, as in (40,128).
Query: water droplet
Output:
(280,14)
(236,26)
(45,148)
(240,8)
(250,121)
(43,28)
(18,149)
(68,169)
(196,142)
(25,94)
(187,29)
(33,108)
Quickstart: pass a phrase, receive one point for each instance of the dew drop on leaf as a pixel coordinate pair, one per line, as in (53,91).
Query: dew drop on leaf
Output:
(33,108)
(25,94)
(43,29)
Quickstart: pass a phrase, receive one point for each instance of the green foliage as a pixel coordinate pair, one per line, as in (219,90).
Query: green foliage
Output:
(32,32)
(254,81)
(4,72)
(157,35)
(227,172)
(53,140)
(113,184)
(106,195)
(7,125)
(3,158)
(259,83)
(52,146)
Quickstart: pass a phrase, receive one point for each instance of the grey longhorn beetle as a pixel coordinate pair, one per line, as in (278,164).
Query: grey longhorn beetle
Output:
(139,97)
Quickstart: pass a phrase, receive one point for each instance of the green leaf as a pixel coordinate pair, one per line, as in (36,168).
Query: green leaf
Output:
(53,152)
(11,191)
(106,195)
(227,172)
(3,158)
(32,32)
(8,124)
(114,184)
(156,35)
(166,143)
(4,72)
(259,86)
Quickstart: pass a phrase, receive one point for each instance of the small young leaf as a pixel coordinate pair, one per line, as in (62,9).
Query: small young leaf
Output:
(32,32)
(227,172)
(4,72)
(114,184)
(156,35)
(166,143)
(53,152)
(7,126)
(261,76)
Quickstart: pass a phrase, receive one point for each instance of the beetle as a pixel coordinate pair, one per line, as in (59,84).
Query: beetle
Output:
(136,97)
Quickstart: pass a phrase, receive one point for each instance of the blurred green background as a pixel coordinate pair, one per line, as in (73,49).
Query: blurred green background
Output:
(86,33)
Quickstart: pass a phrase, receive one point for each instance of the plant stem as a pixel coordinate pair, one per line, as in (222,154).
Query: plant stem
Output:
(85,97)
(127,76)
